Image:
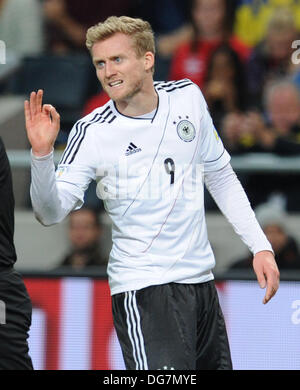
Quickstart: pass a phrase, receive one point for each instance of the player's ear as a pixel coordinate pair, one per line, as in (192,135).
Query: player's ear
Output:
(149,60)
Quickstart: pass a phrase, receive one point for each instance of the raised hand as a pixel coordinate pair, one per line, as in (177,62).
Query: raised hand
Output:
(42,124)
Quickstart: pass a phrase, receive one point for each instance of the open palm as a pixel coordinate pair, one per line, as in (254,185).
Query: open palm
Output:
(42,124)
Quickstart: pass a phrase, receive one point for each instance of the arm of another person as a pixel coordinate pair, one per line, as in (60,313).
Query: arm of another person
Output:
(56,12)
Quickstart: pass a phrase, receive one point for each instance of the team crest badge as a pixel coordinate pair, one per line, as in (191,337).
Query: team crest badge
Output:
(186,131)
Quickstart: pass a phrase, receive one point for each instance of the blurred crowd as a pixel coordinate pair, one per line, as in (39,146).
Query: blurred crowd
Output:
(84,233)
(241,53)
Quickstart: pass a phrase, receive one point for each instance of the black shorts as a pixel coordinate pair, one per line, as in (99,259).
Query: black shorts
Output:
(15,321)
(172,326)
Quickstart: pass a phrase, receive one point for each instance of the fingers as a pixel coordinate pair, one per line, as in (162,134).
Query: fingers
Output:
(32,104)
(39,99)
(27,111)
(35,102)
(258,269)
(261,279)
(272,287)
(49,110)
(267,273)
(271,291)
(46,109)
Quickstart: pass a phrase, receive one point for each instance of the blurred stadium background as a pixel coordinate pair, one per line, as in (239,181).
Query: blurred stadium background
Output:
(44,48)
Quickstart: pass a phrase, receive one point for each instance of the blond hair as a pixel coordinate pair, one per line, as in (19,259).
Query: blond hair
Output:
(140,31)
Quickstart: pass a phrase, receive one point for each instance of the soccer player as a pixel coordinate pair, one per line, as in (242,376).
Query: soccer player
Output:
(150,148)
(15,304)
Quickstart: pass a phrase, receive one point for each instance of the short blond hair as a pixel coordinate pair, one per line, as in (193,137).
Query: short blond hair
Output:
(140,31)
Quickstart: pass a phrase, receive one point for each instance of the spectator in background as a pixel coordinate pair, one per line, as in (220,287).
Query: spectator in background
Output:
(21,27)
(165,16)
(277,132)
(271,58)
(85,231)
(272,220)
(224,85)
(283,110)
(171,23)
(68,20)
(212,22)
(252,17)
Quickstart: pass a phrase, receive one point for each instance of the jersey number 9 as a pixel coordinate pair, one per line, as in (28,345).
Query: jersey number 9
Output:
(170,168)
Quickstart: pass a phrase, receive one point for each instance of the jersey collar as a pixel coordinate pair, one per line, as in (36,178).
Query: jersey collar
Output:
(161,111)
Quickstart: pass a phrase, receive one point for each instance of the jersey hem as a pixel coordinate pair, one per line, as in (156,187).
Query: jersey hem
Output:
(139,286)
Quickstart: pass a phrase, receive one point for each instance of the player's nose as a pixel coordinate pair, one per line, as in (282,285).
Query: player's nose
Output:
(109,70)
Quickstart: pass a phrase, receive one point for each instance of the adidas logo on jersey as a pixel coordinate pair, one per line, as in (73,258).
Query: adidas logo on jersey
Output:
(132,148)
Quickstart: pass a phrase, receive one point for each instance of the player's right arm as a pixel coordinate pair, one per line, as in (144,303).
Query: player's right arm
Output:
(51,201)
(42,124)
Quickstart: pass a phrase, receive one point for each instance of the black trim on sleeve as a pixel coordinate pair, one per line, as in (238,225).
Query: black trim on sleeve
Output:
(211,161)
(81,127)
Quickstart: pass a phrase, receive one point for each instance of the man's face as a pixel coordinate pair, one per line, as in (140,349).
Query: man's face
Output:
(277,237)
(284,110)
(280,44)
(119,70)
(83,230)
(209,15)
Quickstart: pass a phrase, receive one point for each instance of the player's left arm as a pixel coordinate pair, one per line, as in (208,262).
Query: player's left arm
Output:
(227,191)
(232,200)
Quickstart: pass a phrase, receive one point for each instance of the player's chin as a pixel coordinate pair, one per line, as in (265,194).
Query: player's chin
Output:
(115,94)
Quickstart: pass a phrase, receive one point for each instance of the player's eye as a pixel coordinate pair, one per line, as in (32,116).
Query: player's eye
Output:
(118,60)
(100,64)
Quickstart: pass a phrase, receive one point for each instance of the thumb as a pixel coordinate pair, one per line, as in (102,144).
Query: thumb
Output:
(51,111)
(47,108)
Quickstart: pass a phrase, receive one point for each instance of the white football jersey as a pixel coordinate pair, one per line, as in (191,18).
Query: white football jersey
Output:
(149,173)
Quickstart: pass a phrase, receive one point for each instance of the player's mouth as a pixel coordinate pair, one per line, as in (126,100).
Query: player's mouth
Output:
(116,83)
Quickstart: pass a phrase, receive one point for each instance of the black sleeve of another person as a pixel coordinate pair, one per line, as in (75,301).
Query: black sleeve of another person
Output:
(7,204)
(14,331)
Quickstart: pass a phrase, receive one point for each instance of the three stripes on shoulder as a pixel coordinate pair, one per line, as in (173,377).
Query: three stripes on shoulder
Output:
(170,86)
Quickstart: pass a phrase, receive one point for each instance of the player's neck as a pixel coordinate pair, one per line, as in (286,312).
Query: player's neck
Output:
(142,103)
